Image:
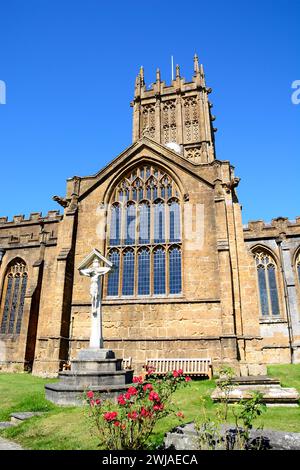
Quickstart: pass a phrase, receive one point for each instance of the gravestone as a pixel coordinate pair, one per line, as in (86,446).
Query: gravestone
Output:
(95,368)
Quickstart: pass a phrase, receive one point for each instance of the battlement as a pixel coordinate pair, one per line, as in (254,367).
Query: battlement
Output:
(260,228)
(34,217)
(178,84)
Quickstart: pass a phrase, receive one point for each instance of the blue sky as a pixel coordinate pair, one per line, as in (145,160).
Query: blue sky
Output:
(69,68)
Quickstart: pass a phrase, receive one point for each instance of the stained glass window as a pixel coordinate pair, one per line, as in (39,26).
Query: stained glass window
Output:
(159,266)
(128,273)
(145,210)
(115,225)
(21,303)
(113,276)
(13,297)
(174,221)
(175,270)
(144,223)
(159,222)
(130,224)
(144,272)
(267,284)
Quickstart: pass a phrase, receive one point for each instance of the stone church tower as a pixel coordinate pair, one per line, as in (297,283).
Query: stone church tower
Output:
(179,114)
(189,279)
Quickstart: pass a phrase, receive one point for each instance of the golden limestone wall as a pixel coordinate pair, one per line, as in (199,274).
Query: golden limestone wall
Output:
(33,241)
(281,240)
(195,325)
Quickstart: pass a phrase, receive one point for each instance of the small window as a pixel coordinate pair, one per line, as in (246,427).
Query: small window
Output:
(267,285)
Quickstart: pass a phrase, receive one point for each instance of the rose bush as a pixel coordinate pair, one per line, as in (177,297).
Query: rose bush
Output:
(128,422)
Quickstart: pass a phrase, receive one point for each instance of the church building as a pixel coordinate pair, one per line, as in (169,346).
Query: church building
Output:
(189,280)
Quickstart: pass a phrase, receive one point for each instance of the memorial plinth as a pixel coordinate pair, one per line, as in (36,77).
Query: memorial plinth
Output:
(95,368)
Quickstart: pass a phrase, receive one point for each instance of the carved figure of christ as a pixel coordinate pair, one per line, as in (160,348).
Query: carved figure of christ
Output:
(95,272)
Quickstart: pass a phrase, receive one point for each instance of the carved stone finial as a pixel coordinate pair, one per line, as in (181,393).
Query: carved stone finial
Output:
(177,71)
(142,76)
(157,75)
(196,64)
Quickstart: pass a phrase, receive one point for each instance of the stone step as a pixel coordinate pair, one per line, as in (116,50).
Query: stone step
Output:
(22,416)
(6,424)
(252,380)
(96,365)
(88,378)
(63,394)
(272,395)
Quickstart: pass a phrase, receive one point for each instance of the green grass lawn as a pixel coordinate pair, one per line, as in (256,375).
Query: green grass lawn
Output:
(68,427)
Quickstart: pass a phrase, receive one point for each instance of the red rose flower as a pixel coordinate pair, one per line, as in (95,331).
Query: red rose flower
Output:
(90,394)
(175,373)
(180,371)
(92,403)
(98,401)
(138,380)
(158,407)
(127,395)
(144,412)
(133,415)
(188,379)
(121,400)
(180,414)
(110,416)
(153,396)
(147,387)
(117,423)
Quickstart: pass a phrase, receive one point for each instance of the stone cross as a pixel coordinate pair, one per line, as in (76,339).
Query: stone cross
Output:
(92,268)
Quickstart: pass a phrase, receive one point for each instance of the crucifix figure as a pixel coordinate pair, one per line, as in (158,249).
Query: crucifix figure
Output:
(95,271)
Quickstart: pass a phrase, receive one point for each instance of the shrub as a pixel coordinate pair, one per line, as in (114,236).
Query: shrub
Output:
(128,422)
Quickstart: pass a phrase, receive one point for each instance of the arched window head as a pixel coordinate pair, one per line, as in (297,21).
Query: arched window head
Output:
(13,295)
(144,224)
(267,284)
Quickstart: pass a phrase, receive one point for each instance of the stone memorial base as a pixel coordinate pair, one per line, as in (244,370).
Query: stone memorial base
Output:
(269,387)
(94,369)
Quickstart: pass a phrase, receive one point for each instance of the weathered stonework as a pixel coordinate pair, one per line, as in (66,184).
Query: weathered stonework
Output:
(218,312)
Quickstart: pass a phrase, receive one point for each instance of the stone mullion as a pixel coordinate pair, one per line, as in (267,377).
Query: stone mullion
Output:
(151,250)
(135,273)
(121,273)
(167,269)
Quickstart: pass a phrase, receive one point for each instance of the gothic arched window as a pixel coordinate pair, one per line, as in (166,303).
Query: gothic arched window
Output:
(267,284)
(144,236)
(13,295)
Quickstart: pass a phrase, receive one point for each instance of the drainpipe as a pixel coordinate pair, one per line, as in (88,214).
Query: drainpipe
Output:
(279,241)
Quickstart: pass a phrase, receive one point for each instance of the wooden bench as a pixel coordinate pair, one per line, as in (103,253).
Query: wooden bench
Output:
(192,366)
(127,363)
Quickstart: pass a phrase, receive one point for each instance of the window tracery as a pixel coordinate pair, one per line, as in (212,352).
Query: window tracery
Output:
(144,237)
